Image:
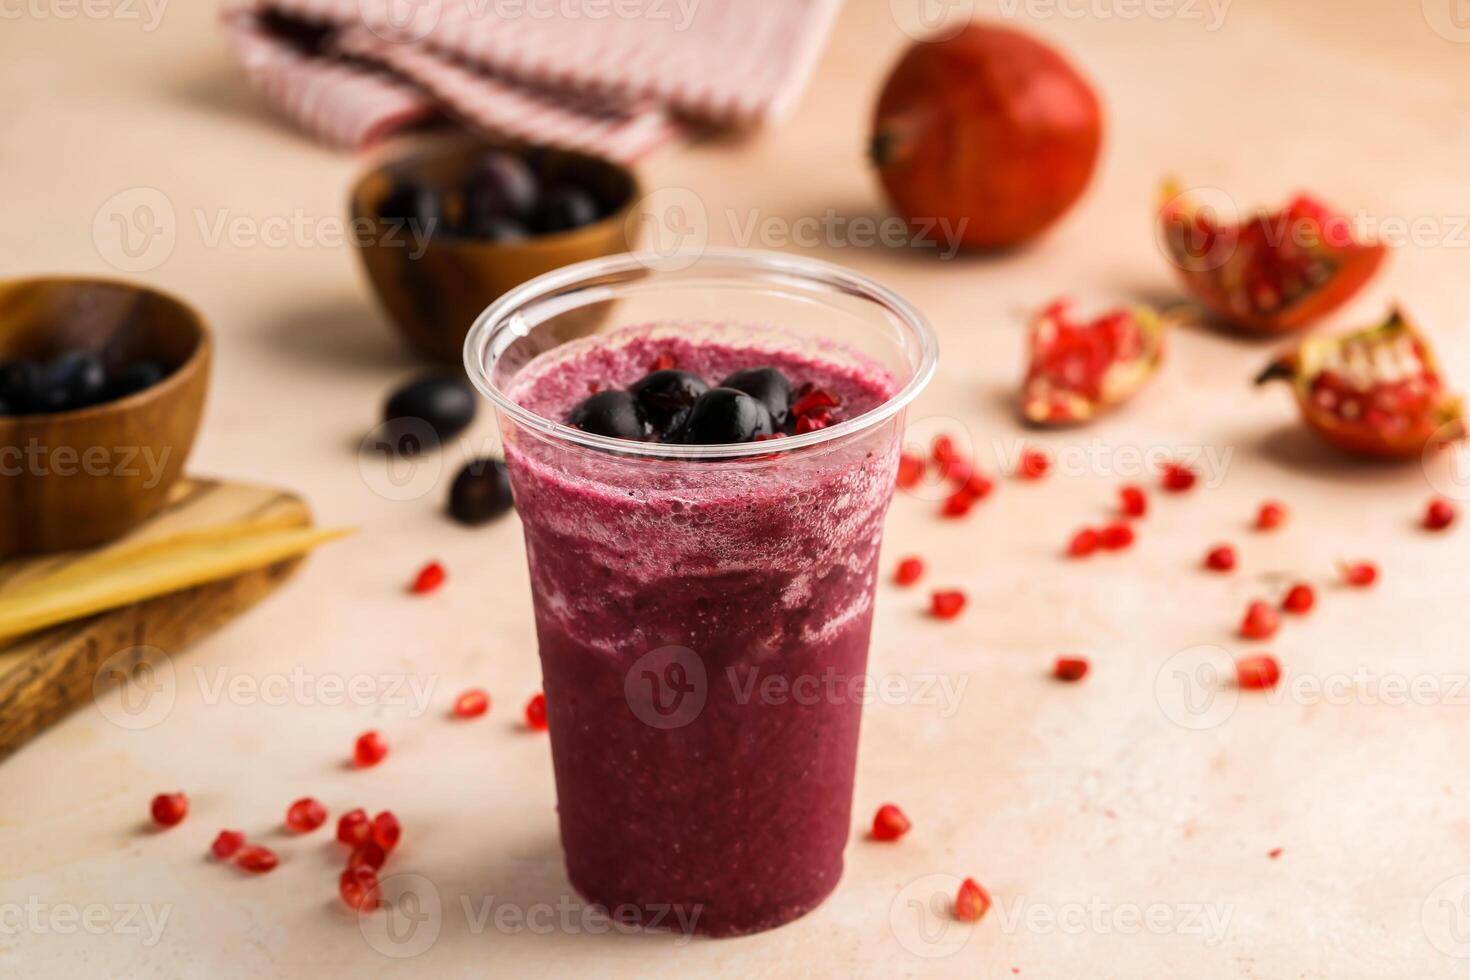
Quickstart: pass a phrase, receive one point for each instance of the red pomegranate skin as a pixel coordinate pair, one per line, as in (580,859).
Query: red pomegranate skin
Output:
(989,128)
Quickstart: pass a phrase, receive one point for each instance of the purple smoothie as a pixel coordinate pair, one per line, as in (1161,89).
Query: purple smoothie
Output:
(700,626)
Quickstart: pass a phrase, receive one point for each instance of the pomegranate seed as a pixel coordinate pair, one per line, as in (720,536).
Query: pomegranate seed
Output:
(890,823)
(1360,574)
(1300,598)
(536,712)
(942,449)
(663,362)
(978,485)
(947,603)
(359,889)
(429,578)
(370,749)
(1177,478)
(1439,515)
(972,902)
(1070,668)
(1271,515)
(227,843)
(909,571)
(352,827)
(1257,672)
(1261,621)
(1034,465)
(1084,543)
(1220,558)
(956,470)
(305,815)
(386,831)
(471,704)
(814,400)
(367,855)
(812,422)
(1133,501)
(169,809)
(257,859)
(910,471)
(1116,537)
(957,504)
(1274,853)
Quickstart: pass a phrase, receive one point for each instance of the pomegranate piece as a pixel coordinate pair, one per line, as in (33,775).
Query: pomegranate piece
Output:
(472,703)
(1300,599)
(429,578)
(227,843)
(1270,516)
(1116,537)
(359,889)
(1359,574)
(989,131)
(386,830)
(353,827)
(1132,501)
(946,603)
(1275,271)
(169,809)
(910,471)
(972,901)
(1257,672)
(1220,558)
(536,713)
(370,749)
(1260,622)
(1439,515)
(1177,477)
(1034,465)
(1376,392)
(256,859)
(909,571)
(1080,369)
(305,815)
(890,823)
(1069,668)
(1084,543)
(367,855)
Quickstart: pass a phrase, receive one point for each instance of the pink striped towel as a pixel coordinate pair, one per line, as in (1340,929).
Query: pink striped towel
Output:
(615,77)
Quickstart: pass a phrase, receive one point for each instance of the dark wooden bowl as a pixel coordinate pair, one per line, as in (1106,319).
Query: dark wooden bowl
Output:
(435,297)
(79,478)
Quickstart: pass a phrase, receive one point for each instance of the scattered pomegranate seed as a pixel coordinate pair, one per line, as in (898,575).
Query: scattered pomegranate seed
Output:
(536,712)
(471,704)
(909,571)
(1439,515)
(1220,558)
(957,504)
(1300,598)
(1116,537)
(910,471)
(386,831)
(367,855)
(370,749)
(1274,853)
(813,401)
(1177,478)
(956,470)
(305,815)
(1034,465)
(978,485)
(1271,515)
(1260,621)
(1257,672)
(1360,573)
(353,828)
(359,889)
(1133,500)
(169,809)
(257,859)
(890,823)
(429,578)
(1070,668)
(942,449)
(663,362)
(227,843)
(946,603)
(972,902)
(1084,543)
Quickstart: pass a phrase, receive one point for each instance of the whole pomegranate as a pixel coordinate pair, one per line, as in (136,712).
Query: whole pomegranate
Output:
(988,135)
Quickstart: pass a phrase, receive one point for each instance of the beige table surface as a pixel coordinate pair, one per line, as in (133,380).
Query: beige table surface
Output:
(1122,826)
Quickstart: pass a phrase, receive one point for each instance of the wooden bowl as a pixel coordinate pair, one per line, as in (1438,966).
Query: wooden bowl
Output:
(79,478)
(434,290)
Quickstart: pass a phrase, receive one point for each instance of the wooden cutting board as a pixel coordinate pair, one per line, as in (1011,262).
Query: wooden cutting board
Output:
(44,675)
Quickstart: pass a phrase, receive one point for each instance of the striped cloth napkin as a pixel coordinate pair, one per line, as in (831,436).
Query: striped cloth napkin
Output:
(613,77)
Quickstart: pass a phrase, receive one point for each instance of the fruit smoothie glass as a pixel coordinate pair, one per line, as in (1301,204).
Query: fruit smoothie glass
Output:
(702,611)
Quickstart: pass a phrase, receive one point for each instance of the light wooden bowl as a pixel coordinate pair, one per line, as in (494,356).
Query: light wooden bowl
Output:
(79,478)
(434,298)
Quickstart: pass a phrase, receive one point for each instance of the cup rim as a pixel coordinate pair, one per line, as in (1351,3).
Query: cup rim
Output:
(494,330)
